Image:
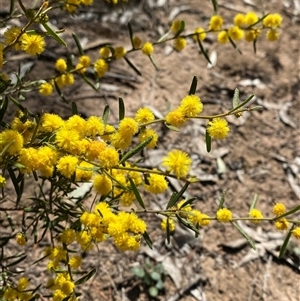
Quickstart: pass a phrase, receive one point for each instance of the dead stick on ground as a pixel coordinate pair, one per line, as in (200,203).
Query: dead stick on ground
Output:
(185,289)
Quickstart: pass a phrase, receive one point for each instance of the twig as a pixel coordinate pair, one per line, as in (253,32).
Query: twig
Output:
(185,289)
(266,277)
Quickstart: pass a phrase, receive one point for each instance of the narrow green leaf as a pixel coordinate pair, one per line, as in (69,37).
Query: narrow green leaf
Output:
(121,109)
(14,180)
(254,46)
(53,34)
(60,93)
(295,209)
(215,5)
(89,82)
(236,98)
(132,66)
(193,86)
(285,243)
(222,201)
(17,104)
(254,201)
(4,84)
(163,37)
(186,224)
(74,108)
(86,277)
(16,261)
(78,44)
(168,231)
(10,221)
(181,29)
(135,150)
(188,202)
(36,128)
(148,240)
(250,241)
(130,33)
(234,45)
(11,7)
(176,196)
(137,193)
(203,51)
(242,104)
(153,63)
(105,114)
(172,128)
(207,141)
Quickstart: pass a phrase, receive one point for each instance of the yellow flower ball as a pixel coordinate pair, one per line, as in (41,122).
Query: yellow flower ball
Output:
(223,37)
(255,213)
(218,128)
(224,215)
(61,65)
(200,34)
(215,23)
(179,43)
(279,208)
(147,48)
(32,44)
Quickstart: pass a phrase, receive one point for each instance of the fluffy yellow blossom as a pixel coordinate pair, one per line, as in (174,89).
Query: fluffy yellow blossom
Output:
(223,37)
(121,141)
(251,18)
(281,224)
(156,184)
(147,48)
(137,42)
(68,236)
(32,44)
(85,60)
(61,65)
(168,223)
(119,52)
(94,126)
(191,106)
(71,5)
(175,118)
(22,284)
(296,232)
(255,213)
(175,27)
(104,52)
(102,184)
(127,198)
(145,134)
(177,162)
(87,2)
(144,115)
(94,148)
(179,43)
(100,67)
(128,127)
(68,140)
(252,35)
(21,239)
(58,295)
(11,142)
(51,122)
(279,208)
(201,34)
(235,33)
(10,35)
(272,20)
(108,158)
(215,23)
(29,158)
(75,261)
(46,89)
(67,166)
(272,35)
(218,128)
(224,215)
(239,20)
(2,181)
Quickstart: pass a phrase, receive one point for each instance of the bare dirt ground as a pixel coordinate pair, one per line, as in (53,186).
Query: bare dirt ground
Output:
(261,154)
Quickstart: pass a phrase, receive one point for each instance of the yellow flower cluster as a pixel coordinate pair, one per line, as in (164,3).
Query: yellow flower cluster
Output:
(20,292)
(190,106)
(126,229)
